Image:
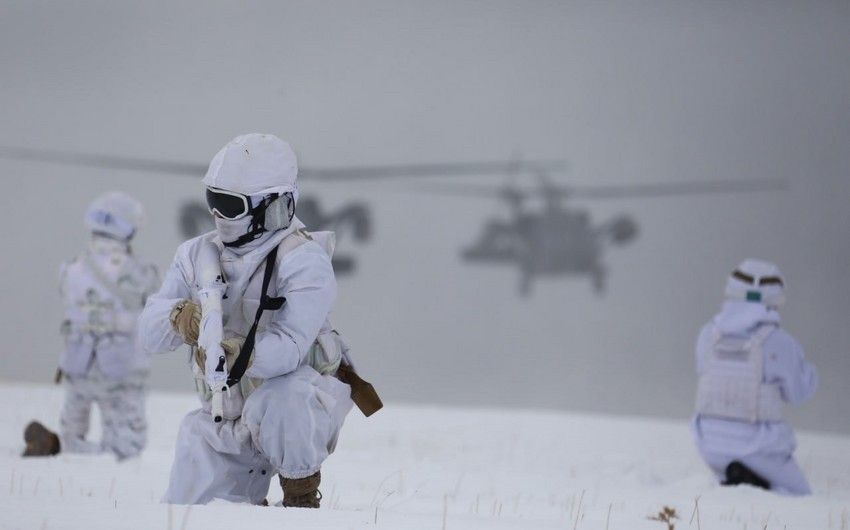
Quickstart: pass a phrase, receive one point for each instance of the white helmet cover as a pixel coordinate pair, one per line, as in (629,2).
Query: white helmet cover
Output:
(115,214)
(254,164)
(757,281)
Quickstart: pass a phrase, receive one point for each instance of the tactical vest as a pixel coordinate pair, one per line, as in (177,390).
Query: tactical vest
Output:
(93,297)
(732,384)
(324,356)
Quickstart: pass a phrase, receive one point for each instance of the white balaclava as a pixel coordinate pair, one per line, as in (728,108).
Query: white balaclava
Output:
(260,167)
(757,281)
(115,215)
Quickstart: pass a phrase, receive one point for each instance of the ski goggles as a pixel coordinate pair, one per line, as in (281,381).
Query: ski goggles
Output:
(767,280)
(228,204)
(107,223)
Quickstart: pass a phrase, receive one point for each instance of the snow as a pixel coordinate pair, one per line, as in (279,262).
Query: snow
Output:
(426,467)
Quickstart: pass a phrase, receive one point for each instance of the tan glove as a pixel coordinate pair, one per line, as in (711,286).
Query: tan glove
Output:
(231,346)
(185,318)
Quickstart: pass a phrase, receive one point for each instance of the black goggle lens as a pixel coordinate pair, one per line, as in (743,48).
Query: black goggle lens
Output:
(227,205)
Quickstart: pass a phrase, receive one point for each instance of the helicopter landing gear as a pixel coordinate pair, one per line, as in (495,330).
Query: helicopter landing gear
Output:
(599,278)
(525,281)
(343,264)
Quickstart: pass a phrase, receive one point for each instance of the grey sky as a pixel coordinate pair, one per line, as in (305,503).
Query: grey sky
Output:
(628,92)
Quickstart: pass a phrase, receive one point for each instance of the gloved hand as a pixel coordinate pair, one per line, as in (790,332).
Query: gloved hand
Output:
(185,318)
(231,347)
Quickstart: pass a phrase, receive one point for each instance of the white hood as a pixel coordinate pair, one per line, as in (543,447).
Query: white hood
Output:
(750,284)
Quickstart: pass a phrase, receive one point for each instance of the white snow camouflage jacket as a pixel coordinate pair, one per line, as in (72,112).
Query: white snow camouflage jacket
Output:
(103,291)
(304,276)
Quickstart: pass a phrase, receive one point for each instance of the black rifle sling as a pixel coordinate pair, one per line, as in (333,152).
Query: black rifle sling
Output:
(266,302)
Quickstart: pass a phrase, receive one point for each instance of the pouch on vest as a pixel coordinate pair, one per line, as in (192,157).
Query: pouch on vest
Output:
(233,399)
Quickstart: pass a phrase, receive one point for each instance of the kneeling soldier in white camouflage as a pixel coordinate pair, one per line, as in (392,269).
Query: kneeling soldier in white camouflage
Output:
(103,291)
(260,289)
(749,369)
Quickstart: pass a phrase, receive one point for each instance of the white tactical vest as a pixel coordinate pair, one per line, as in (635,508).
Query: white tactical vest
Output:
(732,384)
(102,304)
(324,356)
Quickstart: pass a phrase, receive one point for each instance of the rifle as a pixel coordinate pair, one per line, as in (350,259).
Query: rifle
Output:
(211,331)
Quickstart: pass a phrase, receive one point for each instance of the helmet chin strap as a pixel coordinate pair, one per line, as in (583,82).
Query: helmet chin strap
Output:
(258,222)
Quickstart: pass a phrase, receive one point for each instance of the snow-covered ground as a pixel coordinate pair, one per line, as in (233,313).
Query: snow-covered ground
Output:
(423,467)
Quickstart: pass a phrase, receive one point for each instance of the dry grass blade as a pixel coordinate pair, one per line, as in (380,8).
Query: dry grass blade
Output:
(696,514)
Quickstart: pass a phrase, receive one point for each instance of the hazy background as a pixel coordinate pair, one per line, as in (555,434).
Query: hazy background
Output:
(627,92)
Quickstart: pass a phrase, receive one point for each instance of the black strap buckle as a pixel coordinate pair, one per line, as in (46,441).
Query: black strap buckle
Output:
(272,303)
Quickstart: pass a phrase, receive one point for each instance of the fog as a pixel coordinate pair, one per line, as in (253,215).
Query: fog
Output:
(626,92)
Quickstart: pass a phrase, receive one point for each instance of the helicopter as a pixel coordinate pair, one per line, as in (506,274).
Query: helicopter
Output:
(559,240)
(352,220)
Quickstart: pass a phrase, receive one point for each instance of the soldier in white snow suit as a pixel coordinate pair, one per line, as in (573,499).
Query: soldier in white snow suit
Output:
(263,287)
(749,368)
(103,290)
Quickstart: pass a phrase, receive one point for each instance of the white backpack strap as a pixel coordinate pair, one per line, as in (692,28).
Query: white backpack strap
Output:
(293,241)
(325,239)
(761,334)
(770,401)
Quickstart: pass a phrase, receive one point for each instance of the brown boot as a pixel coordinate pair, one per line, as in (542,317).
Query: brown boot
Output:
(40,440)
(302,492)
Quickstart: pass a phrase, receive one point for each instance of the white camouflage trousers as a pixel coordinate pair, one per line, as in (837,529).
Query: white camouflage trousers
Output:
(289,426)
(780,470)
(122,411)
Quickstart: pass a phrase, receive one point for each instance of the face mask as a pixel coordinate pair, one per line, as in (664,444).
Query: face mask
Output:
(230,231)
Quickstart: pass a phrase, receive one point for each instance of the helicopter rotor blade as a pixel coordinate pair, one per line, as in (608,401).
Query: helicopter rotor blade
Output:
(670,189)
(428,170)
(419,170)
(102,161)
(624,191)
(478,191)
(324,174)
